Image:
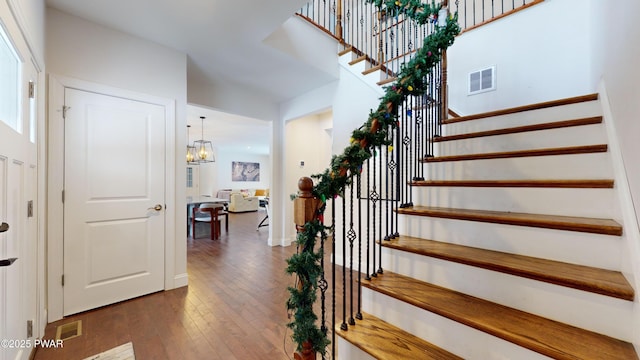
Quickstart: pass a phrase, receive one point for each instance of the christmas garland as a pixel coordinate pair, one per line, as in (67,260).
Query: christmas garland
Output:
(374,133)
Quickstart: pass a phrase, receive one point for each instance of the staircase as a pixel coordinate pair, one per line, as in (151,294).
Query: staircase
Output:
(510,251)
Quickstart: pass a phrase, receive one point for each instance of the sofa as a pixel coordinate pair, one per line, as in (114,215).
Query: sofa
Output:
(226,193)
(240,203)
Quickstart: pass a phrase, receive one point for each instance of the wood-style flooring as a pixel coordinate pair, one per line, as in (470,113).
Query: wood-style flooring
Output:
(233,308)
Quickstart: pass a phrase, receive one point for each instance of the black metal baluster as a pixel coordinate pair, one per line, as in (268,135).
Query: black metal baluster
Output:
(483,2)
(406,142)
(323,285)
(351,236)
(419,141)
(344,326)
(391,164)
(333,278)
(440,105)
(374,199)
(359,197)
(374,36)
(466,14)
(380,212)
(369,205)
(434,102)
(474,13)
(359,40)
(411,157)
(397,149)
(386,191)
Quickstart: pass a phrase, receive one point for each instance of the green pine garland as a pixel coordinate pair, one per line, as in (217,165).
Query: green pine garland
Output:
(333,181)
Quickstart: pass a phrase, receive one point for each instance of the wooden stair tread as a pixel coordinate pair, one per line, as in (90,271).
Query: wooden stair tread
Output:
(385,341)
(570,150)
(595,280)
(521,129)
(576,183)
(517,109)
(545,336)
(570,223)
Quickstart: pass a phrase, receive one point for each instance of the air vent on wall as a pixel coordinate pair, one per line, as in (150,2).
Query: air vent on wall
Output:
(482,80)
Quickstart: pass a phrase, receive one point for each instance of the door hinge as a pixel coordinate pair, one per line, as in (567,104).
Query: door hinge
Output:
(30,208)
(32,90)
(64,111)
(62,279)
(63,196)
(29,328)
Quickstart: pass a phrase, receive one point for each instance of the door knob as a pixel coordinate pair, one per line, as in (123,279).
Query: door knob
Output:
(4,227)
(7,262)
(158,207)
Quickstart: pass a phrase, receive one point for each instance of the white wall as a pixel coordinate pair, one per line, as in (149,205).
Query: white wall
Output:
(306,43)
(223,173)
(309,139)
(541,53)
(83,50)
(615,54)
(350,100)
(616,50)
(232,98)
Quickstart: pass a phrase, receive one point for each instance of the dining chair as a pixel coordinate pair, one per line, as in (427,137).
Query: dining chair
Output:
(211,213)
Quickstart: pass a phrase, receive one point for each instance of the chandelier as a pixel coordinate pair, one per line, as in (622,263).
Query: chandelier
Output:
(203,148)
(191,151)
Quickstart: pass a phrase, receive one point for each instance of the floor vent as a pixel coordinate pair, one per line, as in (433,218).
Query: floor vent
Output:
(69,331)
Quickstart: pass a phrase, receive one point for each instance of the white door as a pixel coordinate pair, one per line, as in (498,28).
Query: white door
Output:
(17,187)
(113,199)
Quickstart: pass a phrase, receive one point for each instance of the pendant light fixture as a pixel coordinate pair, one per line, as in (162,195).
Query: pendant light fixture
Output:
(204,148)
(191,151)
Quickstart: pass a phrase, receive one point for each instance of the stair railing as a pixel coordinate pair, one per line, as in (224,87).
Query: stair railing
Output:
(363,188)
(475,13)
(365,185)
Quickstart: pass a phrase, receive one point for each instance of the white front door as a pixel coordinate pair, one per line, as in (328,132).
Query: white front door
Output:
(18,179)
(114,199)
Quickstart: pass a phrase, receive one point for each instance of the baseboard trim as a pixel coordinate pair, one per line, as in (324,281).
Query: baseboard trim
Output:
(180,280)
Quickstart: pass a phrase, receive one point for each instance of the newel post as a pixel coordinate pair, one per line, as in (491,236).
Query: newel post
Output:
(305,205)
(304,210)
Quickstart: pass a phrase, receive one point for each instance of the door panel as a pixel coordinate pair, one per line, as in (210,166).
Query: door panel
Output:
(18,174)
(114,177)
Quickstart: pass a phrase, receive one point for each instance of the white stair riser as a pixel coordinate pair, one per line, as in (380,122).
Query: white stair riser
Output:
(590,311)
(358,68)
(348,351)
(559,113)
(542,139)
(561,167)
(597,203)
(452,336)
(596,250)
(345,59)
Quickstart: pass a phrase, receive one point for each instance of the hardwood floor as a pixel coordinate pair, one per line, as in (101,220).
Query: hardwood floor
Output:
(233,308)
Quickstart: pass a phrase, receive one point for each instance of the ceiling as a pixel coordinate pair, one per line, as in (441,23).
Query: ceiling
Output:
(224,43)
(229,133)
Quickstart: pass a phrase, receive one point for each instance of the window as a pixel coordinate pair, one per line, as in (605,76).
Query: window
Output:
(189,177)
(9,83)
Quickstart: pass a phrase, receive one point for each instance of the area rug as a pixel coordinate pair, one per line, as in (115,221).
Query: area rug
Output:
(122,352)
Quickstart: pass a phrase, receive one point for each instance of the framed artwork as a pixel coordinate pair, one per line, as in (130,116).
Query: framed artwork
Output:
(245,171)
